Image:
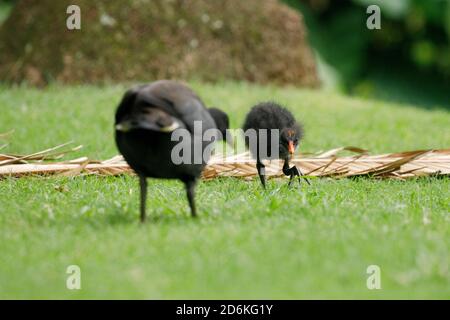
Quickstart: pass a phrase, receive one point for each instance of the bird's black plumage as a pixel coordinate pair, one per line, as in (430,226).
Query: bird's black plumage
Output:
(145,120)
(222,122)
(281,128)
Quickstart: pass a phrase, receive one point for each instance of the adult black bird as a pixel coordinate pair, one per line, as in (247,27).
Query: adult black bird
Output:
(145,121)
(281,128)
(222,123)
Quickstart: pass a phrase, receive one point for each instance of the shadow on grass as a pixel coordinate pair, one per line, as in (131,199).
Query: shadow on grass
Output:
(117,217)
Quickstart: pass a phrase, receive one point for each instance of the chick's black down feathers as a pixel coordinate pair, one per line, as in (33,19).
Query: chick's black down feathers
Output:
(269,115)
(281,129)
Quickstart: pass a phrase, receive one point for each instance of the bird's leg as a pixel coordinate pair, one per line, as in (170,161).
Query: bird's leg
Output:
(261,172)
(288,171)
(299,173)
(293,172)
(143,185)
(190,191)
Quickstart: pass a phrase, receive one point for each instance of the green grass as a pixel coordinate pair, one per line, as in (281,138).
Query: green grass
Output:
(283,243)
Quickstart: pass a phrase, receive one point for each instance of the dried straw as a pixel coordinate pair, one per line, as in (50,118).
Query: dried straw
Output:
(400,165)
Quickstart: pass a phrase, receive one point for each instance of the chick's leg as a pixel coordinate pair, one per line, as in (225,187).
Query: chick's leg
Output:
(293,172)
(288,171)
(299,173)
(261,172)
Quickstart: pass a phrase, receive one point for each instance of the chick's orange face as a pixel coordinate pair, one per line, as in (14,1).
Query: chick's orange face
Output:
(289,140)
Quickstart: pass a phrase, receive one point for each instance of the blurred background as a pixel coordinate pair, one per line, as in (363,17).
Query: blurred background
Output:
(311,43)
(408,60)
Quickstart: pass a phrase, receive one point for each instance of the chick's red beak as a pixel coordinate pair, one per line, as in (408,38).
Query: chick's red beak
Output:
(291,148)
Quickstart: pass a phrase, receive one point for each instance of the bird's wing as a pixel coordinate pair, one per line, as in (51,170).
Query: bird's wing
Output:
(177,100)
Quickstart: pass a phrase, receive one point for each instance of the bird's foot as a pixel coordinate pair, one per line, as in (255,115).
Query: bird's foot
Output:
(295,172)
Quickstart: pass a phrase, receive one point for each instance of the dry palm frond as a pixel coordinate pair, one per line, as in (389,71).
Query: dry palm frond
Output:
(326,164)
(48,154)
(396,165)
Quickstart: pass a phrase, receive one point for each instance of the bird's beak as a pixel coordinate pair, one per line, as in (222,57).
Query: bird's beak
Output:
(291,147)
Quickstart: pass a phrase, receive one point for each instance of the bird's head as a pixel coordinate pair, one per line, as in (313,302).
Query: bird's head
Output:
(222,123)
(289,140)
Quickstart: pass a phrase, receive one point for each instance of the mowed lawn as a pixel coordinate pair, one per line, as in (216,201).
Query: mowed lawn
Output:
(313,242)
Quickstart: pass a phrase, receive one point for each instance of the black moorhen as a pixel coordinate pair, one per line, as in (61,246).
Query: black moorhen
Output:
(269,115)
(222,123)
(145,120)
